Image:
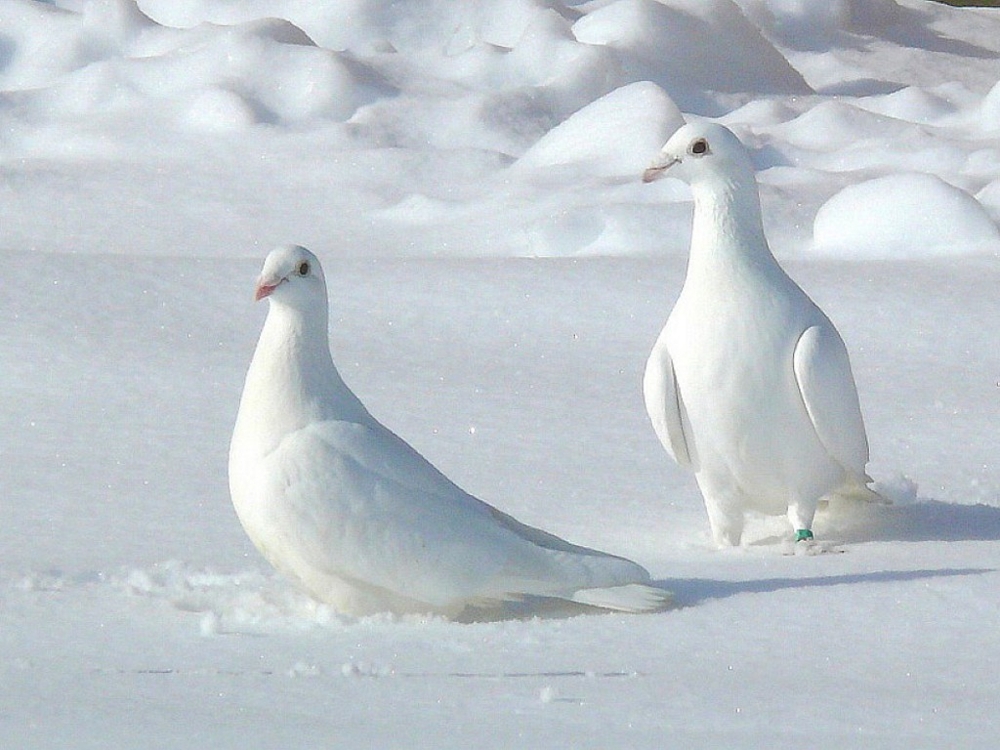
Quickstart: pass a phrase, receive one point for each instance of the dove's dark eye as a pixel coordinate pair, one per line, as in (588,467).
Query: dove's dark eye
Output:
(304,268)
(699,147)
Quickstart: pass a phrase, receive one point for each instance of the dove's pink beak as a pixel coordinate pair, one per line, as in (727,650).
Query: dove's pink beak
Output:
(264,289)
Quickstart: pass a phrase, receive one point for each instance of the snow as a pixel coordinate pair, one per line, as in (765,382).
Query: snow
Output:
(613,135)
(904,215)
(470,175)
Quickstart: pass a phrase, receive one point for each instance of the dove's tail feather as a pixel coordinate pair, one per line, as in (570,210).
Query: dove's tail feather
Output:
(857,489)
(632,597)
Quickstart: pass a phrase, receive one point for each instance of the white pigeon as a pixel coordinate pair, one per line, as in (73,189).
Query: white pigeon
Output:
(357,517)
(749,384)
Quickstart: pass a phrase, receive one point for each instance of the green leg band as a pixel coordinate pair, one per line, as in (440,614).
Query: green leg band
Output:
(803,535)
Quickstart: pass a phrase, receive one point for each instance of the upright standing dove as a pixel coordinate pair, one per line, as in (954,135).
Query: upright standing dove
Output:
(749,384)
(359,519)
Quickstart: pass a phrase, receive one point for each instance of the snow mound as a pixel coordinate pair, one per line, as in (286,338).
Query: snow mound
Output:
(339,26)
(911,104)
(904,216)
(989,197)
(110,58)
(676,44)
(990,110)
(42,43)
(797,20)
(547,56)
(617,134)
(834,126)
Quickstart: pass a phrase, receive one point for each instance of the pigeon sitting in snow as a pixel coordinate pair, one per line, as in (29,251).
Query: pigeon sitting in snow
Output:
(749,384)
(357,517)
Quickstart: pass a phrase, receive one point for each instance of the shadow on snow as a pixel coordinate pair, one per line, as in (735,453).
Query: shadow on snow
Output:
(692,591)
(936,521)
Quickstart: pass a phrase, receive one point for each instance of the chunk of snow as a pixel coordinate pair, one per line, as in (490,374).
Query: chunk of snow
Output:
(904,216)
(617,134)
(676,44)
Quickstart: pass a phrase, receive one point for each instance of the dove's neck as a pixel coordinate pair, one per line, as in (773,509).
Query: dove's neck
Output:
(292,381)
(727,226)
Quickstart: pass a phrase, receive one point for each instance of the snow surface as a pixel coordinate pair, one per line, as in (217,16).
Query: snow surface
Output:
(470,174)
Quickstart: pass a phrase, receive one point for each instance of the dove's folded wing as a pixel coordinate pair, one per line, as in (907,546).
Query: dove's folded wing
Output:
(823,373)
(663,403)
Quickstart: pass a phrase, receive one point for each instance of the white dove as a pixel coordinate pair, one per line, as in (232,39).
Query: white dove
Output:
(357,517)
(749,384)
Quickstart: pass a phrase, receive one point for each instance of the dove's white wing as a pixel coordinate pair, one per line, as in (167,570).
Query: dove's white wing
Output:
(823,373)
(366,510)
(664,406)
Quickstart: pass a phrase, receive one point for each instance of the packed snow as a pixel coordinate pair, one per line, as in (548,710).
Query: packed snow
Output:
(470,175)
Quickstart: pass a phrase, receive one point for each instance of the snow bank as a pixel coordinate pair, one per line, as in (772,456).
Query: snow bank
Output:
(676,44)
(989,197)
(807,21)
(617,134)
(111,59)
(916,104)
(269,69)
(388,127)
(904,216)
(990,110)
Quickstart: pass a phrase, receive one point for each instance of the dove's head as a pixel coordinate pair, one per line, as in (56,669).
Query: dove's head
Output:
(293,276)
(701,153)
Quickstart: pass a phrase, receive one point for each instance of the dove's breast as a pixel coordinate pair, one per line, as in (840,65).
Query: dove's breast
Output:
(732,348)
